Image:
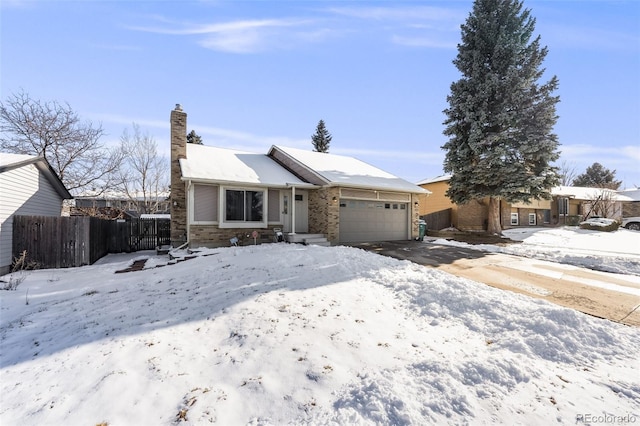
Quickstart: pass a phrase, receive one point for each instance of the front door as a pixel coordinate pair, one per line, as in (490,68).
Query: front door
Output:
(301,206)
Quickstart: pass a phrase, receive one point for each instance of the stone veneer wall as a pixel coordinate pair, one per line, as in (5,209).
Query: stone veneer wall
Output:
(178,193)
(212,236)
(324,213)
(415,214)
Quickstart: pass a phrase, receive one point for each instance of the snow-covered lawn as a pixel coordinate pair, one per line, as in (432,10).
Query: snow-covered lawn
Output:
(281,333)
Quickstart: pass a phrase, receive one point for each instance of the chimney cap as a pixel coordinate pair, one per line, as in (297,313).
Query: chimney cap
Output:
(178,107)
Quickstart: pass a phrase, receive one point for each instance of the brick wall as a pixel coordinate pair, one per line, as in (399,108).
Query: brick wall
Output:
(472,215)
(324,213)
(178,196)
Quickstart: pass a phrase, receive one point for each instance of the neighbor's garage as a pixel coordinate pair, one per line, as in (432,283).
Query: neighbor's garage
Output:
(364,220)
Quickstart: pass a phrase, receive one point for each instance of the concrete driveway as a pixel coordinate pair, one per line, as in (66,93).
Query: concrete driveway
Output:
(612,296)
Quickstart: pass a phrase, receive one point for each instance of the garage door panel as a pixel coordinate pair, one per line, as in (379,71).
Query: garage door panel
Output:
(362,221)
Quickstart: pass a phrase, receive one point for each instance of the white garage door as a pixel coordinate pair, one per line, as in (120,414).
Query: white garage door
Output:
(362,221)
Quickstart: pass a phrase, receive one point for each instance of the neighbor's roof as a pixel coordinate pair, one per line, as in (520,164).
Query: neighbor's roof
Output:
(14,161)
(220,165)
(442,178)
(632,194)
(347,171)
(579,192)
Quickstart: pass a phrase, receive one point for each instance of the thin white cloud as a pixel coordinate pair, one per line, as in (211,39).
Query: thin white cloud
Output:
(220,28)
(422,156)
(434,27)
(624,160)
(414,13)
(414,26)
(243,36)
(127,121)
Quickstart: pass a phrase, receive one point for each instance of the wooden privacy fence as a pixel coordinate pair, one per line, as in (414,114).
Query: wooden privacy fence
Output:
(62,242)
(438,220)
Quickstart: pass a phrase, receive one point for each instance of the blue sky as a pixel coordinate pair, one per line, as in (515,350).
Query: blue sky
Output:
(251,74)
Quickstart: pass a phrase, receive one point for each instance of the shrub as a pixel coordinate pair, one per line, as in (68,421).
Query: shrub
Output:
(18,274)
(613,226)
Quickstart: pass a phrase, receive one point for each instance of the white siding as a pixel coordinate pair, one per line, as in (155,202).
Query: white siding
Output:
(23,191)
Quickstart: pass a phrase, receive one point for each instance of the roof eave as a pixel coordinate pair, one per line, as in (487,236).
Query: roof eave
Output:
(320,177)
(45,168)
(283,185)
(417,190)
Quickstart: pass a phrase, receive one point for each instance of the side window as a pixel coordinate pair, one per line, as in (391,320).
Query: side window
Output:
(205,203)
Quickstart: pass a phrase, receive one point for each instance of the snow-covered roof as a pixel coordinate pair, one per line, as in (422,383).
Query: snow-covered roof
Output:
(348,171)
(434,180)
(632,194)
(580,192)
(119,195)
(11,159)
(155,216)
(220,165)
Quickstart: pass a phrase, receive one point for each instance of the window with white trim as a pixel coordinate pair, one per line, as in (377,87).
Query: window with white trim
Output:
(563,206)
(514,218)
(532,218)
(243,205)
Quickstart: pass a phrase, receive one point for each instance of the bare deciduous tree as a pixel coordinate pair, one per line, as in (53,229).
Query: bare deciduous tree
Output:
(54,131)
(143,176)
(602,203)
(567,173)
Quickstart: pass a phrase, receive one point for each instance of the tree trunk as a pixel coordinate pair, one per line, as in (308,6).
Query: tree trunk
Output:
(493,223)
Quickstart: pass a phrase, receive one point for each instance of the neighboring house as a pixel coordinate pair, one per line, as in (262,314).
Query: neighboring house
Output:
(585,202)
(473,216)
(220,194)
(630,202)
(569,205)
(28,186)
(118,205)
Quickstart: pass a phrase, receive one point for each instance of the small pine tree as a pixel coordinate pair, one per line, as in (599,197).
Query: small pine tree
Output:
(500,120)
(321,139)
(599,177)
(192,137)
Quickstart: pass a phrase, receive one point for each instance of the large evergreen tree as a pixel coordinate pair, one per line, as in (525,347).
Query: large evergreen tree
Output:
(598,176)
(193,137)
(500,119)
(321,139)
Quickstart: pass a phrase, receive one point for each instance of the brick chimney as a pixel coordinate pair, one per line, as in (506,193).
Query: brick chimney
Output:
(178,194)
